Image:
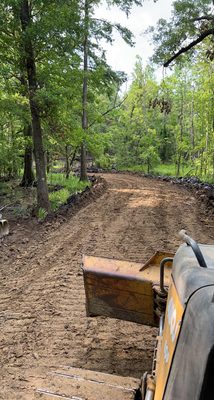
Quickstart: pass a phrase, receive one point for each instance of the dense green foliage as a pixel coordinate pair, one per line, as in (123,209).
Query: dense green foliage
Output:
(50,50)
(154,123)
(168,122)
(171,122)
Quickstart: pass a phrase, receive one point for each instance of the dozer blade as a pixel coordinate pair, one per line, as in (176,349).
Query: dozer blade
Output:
(123,289)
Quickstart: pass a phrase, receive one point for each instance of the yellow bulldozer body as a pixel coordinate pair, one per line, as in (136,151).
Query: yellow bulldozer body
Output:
(129,290)
(174,292)
(172,326)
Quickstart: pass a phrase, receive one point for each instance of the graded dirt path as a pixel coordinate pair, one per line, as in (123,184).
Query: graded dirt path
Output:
(42,309)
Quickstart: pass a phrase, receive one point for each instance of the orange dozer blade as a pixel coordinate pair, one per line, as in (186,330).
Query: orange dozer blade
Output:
(123,289)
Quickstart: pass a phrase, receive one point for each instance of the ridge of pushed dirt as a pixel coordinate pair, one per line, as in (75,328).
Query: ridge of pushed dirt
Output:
(42,302)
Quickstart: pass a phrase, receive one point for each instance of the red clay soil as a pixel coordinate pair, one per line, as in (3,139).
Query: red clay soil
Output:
(42,303)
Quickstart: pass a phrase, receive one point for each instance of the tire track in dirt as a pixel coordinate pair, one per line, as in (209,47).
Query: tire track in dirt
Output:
(42,311)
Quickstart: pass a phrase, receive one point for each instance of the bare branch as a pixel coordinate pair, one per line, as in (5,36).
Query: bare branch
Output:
(74,155)
(204,17)
(109,110)
(192,44)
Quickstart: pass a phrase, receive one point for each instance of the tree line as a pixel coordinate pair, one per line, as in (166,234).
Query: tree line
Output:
(171,121)
(59,97)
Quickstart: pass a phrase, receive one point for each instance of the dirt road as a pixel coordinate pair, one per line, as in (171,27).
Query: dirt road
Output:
(42,310)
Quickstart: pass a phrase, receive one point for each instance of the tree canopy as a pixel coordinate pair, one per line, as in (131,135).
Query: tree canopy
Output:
(190,24)
(59,98)
(51,54)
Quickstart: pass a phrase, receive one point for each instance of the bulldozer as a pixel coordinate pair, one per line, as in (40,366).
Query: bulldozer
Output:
(173,292)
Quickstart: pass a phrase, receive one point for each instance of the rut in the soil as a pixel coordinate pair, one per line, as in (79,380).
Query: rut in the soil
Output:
(42,307)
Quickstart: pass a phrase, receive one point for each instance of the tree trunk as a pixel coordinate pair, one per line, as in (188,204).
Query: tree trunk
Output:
(42,189)
(178,165)
(28,175)
(192,128)
(201,164)
(48,162)
(13,168)
(148,165)
(73,157)
(69,161)
(67,164)
(83,168)
(181,123)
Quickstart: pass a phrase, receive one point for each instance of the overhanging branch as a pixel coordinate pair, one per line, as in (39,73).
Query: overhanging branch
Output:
(192,44)
(204,17)
(109,110)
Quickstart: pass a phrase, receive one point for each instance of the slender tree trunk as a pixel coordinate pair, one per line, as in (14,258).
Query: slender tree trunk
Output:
(68,161)
(181,122)
(28,175)
(48,161)
(192,128)
(201,163)
(42,189)
(148,165)
(83,167)
(73,157)
(67,164)
(14,167)
(83,172)
(178,165)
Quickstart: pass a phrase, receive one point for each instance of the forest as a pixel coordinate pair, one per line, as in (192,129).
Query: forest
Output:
(62,108)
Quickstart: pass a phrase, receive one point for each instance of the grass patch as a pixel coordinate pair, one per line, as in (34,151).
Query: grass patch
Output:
(42,214)
(170,170)
(186,171)
(72,185)
(161,169)
(208,179)
(58,198)
(20,201)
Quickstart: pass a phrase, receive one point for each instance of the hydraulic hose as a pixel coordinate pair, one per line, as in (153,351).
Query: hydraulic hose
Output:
(195,247)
